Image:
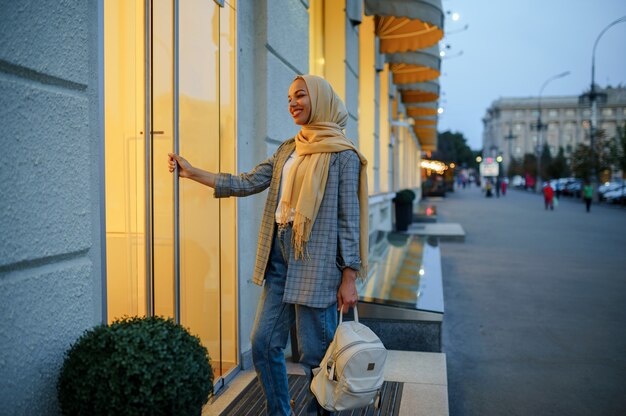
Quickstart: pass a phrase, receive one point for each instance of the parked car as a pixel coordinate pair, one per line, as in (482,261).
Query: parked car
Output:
(573,188)
(616,196)
(608,187)
(517,181)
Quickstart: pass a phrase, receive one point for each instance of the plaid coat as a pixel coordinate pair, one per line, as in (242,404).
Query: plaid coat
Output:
(334,240)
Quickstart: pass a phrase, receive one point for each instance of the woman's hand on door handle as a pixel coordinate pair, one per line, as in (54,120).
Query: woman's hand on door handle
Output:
(184,167)
(185,170)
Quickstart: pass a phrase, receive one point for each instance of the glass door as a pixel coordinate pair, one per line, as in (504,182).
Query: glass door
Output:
(171,248)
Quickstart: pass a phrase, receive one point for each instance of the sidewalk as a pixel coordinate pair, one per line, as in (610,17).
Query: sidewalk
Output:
(535,318)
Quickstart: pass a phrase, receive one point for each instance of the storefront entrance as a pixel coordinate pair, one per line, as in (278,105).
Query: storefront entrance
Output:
(170,86)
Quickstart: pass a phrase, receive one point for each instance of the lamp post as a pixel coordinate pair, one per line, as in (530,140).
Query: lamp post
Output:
(541,126)
(509,138)
(593,98)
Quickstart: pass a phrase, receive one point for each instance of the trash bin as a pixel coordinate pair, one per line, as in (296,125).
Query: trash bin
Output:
(403,202)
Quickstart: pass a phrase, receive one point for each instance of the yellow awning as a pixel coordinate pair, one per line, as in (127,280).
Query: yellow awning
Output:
(425,132)
(418,96)
(421,109)
(409,74)
(425,122)
(427,137)
(420,92)
(402,34)
(406,25)
(418,66)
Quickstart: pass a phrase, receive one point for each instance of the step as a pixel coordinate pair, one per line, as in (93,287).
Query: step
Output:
(444,231)
(424,374)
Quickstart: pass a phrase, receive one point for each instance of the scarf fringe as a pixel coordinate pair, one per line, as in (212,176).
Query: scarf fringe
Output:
(301,229)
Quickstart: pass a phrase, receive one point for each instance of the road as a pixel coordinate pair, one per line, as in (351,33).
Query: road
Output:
(535,306)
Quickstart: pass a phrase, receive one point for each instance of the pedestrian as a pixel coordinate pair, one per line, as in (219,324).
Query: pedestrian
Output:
(488,187)
(505,183)
(548,196)
(313,239)
(557,189)
(588,195)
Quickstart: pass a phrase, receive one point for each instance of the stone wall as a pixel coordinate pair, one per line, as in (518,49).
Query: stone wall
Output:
(50,261)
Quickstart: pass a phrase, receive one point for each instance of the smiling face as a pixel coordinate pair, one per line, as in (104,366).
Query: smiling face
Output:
(299,102)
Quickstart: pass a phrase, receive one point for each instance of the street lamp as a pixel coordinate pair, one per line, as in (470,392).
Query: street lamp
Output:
(541,126)
(593,98)
(509,138)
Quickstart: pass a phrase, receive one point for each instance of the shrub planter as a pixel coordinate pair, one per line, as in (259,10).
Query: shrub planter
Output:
(404,209)
(136,366)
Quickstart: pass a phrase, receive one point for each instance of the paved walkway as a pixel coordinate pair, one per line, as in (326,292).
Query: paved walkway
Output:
(535,320)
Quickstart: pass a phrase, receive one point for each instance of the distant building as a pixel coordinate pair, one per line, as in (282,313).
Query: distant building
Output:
(509,124)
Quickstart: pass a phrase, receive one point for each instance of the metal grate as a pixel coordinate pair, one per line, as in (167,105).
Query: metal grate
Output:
(250,401)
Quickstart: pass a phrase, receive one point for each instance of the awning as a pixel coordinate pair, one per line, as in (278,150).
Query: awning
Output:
(409,74)
(420,92)
(412,67)
(427,137)
(428,57)
(425,122)
(406,25)
(421,109)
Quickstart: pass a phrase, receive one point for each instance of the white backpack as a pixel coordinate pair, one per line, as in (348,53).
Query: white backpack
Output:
(352,371)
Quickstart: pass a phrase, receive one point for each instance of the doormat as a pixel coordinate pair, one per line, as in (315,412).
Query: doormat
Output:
(251,401)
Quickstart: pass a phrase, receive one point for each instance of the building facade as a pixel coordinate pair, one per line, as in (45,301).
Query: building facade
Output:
(94,94)
(509,125)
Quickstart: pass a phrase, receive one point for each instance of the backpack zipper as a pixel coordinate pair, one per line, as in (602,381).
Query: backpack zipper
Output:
(345,347)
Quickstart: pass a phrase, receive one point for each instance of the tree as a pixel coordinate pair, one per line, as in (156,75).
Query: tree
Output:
(515,168)
(618,150)
(546,161)
(559,168)
(453,148)
(583,159)
(529,164)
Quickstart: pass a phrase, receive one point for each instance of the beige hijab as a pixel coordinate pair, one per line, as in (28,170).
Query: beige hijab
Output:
(305,185)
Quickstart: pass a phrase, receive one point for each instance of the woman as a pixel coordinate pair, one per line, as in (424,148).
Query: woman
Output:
(313,238)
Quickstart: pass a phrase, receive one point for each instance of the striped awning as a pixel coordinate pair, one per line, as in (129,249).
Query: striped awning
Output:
(406,25)
(425,122)
(427,137)
(409,32)
(420,92)
(421,109)
(418,66)
(408,74)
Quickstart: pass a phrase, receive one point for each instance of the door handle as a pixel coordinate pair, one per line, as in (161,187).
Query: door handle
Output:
(157,132)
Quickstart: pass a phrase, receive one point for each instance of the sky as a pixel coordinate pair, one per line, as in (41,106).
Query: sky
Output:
(512,47)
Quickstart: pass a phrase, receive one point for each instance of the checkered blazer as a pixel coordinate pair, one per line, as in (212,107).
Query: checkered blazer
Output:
(334,241)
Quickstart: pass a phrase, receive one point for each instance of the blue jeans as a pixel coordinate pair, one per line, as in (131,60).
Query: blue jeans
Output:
(315,328)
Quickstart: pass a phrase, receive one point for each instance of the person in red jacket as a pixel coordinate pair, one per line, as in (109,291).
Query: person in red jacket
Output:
(548,196)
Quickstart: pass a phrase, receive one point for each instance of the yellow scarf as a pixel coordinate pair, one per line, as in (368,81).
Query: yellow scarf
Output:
(306,183)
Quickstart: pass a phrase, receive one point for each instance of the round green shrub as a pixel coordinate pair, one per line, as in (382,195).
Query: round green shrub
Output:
(135,366)
(405,195)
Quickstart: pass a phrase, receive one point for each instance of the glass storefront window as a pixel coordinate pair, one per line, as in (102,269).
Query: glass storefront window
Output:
(140,276)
